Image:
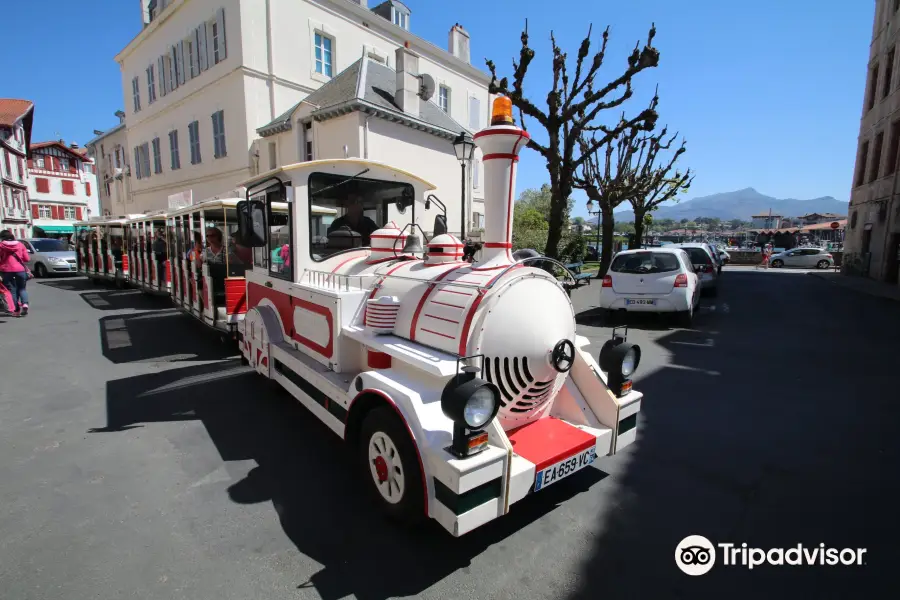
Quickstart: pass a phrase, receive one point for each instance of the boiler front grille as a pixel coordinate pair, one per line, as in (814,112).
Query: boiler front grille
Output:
(519,392)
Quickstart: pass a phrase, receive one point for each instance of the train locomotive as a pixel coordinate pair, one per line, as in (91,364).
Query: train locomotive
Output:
(462,386)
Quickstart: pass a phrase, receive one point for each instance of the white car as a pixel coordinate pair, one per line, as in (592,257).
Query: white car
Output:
(810,258)
(652,280)
(48,256)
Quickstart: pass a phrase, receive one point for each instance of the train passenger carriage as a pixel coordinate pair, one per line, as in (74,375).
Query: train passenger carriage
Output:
(146,241)
(100,249)
(462,386)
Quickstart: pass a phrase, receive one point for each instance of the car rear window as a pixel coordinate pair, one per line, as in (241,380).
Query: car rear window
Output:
(645,262)
(698,256)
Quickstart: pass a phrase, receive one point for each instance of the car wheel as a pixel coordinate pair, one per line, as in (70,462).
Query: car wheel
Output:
(388,461)
(685,318)
(822,264)
(40,270)
(777,264)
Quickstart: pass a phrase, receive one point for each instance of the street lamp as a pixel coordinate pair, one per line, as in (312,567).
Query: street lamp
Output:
(465,150)
(590,211)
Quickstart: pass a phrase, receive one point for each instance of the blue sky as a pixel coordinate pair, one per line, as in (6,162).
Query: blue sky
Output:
(768,93)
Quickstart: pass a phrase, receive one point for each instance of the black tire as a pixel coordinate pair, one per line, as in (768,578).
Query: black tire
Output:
(822,264)
(410,508)
(777,264)
(40,270)
(685,318)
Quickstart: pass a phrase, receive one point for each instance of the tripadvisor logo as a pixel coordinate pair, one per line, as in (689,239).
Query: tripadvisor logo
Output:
(696,555)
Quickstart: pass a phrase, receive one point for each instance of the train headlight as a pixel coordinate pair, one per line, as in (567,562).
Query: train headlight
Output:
(619,360)
(470,402)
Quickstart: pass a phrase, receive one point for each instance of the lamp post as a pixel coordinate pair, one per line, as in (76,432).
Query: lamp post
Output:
(465,149)
(590,211)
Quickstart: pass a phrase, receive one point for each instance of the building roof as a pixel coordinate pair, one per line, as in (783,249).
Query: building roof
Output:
(77,152)
(105,133)
(12,109)
(368,86)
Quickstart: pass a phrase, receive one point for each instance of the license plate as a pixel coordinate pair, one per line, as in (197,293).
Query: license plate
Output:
(640,301)
(564,468)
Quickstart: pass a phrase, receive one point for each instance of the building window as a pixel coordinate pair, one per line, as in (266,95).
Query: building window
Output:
(87,167)
(444,98)
(861,166)
(876,157)
(68,187)
(401,19)
(194,141)
(21,170)
(69,213)
(145,158)
(893,149)
(308,140)
(137,162)
(191,60)
(157,157)
(42,185)
(119,157)
(173,149)
(39,162)
(136,93)
(476,174)
(273,155)
(324,46)
(218,124)
(151,85)
(474,113)
(873,86)
(43,212)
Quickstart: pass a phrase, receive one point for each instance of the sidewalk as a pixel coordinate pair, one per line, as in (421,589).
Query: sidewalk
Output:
(861,284)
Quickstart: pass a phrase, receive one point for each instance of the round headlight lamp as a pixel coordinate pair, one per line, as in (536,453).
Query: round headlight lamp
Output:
(471,403)
(619,360)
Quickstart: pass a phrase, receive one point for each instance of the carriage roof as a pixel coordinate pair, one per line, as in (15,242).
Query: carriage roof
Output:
(341,166)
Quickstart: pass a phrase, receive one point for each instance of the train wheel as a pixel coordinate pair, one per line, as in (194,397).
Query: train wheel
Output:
(388,461)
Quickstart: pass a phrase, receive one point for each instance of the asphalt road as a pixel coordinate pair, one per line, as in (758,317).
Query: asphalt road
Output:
(139,460)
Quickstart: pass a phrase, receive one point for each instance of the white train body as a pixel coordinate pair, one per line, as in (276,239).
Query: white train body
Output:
(372,328)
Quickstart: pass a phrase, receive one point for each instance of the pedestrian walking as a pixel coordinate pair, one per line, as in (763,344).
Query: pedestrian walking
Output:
(15,271)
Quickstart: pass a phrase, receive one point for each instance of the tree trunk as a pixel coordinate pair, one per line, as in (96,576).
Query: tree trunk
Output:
(608,224)
(638,231)
(560,193)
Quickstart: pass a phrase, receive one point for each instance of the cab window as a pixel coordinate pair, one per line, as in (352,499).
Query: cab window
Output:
(346,210)
(275,257)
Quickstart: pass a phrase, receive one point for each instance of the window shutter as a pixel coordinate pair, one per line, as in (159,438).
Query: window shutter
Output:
(87,188)
(180,53)
(173,65)
(34,211)
(163,88)
(474,113)
(54,212)
(137,162)
(220,27)
(195,50)
(30,163)
(77,213)
(204,58)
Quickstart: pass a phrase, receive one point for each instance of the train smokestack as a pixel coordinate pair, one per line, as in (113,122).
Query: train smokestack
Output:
(500,145)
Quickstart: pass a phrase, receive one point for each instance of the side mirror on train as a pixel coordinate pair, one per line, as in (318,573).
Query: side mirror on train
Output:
(252,223)
(440,225)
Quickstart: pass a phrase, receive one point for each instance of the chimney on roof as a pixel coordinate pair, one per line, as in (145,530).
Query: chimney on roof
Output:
(73,146)
(407,94)
(121,115)
(459,43)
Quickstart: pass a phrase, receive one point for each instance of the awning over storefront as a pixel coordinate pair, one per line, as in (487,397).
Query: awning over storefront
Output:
(56,228)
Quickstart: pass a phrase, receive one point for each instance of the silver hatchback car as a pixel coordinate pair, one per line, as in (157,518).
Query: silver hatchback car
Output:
(706,264)
(47,256)
(809,258)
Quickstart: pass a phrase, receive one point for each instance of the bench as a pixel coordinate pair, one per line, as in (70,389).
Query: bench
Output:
(579,277)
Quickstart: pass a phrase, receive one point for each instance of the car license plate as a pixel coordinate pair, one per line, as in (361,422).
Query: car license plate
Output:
(640,301)
(564,468)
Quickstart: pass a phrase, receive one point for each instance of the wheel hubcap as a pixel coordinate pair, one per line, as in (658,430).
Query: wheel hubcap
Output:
(386,468)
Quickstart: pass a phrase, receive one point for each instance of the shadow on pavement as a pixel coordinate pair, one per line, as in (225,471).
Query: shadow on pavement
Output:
(124,299)
(160,336)
(73,284)
(308,475)
(779,428)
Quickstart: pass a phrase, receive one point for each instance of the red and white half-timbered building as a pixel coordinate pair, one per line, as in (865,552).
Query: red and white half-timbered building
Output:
(15,138)
(62,186)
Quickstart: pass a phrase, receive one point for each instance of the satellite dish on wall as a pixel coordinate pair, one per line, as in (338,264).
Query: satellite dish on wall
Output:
(426,89)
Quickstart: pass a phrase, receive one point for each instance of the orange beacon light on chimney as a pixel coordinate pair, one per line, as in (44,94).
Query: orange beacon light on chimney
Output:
(502,112)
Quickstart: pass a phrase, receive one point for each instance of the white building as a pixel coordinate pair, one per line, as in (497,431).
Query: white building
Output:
(62,187)
(109,150)
(16,118)
(203,75)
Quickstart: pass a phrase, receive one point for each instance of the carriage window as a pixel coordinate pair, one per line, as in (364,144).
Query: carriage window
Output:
(345,210)
(275,257)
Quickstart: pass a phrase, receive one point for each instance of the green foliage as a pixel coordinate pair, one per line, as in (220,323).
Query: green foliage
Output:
(574,249)
(529,218)
(690,225)
(626,228)
(540,200)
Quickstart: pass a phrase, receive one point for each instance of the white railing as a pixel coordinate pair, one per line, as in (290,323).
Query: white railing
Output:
(335,281)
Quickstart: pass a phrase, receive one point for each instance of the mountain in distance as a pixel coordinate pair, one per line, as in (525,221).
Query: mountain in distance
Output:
(741,204)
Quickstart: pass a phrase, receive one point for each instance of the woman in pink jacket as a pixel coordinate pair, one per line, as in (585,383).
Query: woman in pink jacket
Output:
(13,260)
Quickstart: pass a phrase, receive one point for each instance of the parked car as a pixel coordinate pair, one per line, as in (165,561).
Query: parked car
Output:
(49,256)
(724,257)
(809,258)
(652,280)
(706,265)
